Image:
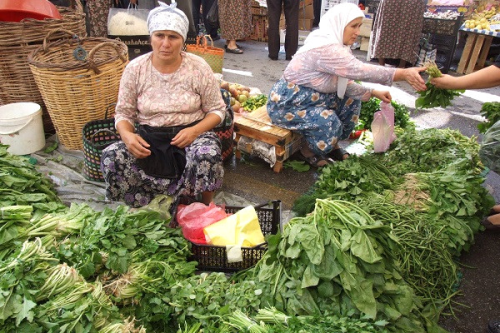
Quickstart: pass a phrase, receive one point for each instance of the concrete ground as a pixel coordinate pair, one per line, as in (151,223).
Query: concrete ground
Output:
(254,180)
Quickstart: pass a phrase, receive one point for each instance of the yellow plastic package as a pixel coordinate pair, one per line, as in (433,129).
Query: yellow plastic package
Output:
(240,229)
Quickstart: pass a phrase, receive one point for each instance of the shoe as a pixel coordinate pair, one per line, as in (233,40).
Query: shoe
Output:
(315,161)
(338,154)
(273,58)
(492,223)
(495,210)
(494,326)
(235,51)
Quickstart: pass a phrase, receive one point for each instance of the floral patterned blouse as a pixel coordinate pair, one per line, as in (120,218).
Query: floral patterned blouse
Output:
(149,97)
(318,69)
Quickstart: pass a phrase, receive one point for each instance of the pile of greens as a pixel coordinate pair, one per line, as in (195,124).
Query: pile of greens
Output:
(368,109)
(490,111)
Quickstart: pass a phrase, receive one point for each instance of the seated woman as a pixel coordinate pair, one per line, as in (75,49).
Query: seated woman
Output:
(309,97)
(168,103)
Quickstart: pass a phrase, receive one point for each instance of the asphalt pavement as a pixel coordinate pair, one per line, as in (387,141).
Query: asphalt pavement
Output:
(254,180)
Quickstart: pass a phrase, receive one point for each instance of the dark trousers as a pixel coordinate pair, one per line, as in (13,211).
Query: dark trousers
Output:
(316,12)
(291,10)
(206,4)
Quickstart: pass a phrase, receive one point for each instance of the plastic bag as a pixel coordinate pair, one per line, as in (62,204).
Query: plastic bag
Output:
(195,217)
(383,128)
(241,228)
(128,22)
(490,148)
(213,15)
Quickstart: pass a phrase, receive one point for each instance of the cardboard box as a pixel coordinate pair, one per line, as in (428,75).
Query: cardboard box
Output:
(305,24)
(306,12)
(366,27)
(365,42)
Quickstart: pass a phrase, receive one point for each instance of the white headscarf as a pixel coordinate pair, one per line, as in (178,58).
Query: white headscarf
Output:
(168,17)
(331,31)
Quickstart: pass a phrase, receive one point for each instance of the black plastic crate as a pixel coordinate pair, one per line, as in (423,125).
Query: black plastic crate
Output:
(214,258)
(441,26)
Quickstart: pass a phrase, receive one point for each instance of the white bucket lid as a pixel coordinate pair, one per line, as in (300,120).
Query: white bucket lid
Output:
(15,112)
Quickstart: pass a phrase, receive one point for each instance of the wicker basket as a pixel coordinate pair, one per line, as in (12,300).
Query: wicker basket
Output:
(97,135)
(78,79)
(17,41)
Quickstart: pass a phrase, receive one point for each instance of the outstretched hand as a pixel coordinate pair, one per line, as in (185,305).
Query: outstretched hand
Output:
(444,82)
(384,96)
(413,77)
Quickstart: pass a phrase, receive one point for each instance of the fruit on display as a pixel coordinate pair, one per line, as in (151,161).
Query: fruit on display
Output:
(483,19)
(239,94)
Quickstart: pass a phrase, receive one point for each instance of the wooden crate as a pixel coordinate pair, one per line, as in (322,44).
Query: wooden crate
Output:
(257,125)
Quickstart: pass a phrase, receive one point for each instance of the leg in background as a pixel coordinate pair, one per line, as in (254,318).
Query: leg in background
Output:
(291,10)
(273,31)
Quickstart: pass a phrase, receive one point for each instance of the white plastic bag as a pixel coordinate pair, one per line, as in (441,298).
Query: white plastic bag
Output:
(383,128)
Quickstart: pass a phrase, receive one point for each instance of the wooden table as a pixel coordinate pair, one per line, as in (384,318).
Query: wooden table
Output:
(475,51)
(257,125)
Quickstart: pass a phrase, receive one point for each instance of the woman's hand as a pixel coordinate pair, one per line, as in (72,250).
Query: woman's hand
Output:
(412,76)
(136,145)
(185,137)
(384,96)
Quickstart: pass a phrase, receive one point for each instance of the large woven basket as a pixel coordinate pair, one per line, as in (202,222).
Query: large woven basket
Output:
(18,40)
(77,78)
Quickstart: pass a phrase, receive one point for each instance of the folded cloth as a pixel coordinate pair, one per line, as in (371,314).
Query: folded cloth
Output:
(166,160)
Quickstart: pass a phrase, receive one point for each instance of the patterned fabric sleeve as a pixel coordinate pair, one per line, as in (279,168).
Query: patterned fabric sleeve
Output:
(319,68)
(211,98)
(341,62)
(126,106)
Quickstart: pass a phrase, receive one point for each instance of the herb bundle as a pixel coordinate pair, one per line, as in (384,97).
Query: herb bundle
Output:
(432,96)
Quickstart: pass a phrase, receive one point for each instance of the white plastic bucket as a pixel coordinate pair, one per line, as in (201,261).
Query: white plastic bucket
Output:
(21,127)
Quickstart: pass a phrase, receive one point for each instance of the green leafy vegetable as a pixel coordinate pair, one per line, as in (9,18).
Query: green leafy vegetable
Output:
(254,102)
(432,96)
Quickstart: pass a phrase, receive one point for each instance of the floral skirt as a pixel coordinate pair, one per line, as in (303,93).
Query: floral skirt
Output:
(126,181)
(322,119)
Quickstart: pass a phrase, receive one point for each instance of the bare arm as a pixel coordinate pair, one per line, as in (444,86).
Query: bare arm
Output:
(412,76)
(484,78)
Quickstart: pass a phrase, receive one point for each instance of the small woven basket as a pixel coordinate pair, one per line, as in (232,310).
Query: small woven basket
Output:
(214,56)
(97,135)
(77,78)
(225,130)
(17,41)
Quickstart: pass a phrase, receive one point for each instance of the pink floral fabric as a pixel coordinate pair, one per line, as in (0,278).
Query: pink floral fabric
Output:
(149,97)
(98,17)
(318,69)
(397,29)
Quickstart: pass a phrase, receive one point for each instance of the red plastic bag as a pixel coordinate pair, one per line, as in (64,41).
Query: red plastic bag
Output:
(196,216)
(383,128)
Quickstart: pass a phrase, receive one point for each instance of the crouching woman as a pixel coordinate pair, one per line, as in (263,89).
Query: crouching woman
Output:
(168,104)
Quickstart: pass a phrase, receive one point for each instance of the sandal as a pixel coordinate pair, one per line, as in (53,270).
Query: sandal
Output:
(235,51)
(225,46)
(315,161)
(338,154)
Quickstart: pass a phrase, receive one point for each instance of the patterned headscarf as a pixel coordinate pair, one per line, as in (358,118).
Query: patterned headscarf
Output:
(168,17)
(331,31)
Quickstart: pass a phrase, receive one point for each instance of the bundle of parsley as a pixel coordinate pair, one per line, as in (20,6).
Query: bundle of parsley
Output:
(432,96)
